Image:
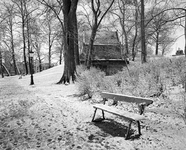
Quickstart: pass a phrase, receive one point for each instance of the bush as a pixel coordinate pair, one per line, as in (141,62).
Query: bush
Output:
(90,81)
(139,80)
(146,80)
(178,71)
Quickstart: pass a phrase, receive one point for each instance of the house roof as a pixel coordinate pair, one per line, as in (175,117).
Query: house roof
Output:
(103,38)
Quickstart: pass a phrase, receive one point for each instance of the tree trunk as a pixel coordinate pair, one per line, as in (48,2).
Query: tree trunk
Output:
(40,64)
(1,64)
(49,46)
(69,11)
(76,46)
(28,43)
(60,55)
(185,34)
(38,48)
(97,22)
(126,41)
(23,35)
(122,22)
(136,32)
(12,47)
(89,53)
(143,42)
(157,43)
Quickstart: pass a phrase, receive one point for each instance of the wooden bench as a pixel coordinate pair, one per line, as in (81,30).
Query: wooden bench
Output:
(132,117)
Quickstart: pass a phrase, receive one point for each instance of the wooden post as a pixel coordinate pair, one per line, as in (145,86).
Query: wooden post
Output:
(128,130)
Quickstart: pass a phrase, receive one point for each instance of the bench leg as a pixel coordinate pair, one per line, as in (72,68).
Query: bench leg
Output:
(139,128)
(128,130)
(94,114)
(103,115)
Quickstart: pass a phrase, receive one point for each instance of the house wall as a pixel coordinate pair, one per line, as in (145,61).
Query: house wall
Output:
(110,66)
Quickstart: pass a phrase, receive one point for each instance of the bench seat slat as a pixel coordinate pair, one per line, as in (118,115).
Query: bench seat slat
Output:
(125,114)
(126,98)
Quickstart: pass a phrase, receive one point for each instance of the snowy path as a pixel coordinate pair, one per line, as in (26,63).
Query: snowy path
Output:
(48,116)
(50,123)
(56,118)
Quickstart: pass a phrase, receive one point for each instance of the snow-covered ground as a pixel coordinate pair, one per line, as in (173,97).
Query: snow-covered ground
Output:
(53,116)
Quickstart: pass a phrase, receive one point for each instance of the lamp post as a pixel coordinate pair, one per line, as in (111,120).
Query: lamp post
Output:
(31,55)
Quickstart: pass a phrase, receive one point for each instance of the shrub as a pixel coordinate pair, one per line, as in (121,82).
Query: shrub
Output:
(178,71)
(140,80)
(80,69)
(90,81)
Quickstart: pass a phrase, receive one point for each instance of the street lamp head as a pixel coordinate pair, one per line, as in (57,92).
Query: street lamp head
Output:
(31,53)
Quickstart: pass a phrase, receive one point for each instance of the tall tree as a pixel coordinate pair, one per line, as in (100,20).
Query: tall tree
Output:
(69,12)
(158,29)
(143,40)
(23,15)
(76,45)
(134,43)
(97,19)
(50,29)
(1,59)
(37,40)
(69,8)
(9,28)
(127,14)
(60,44)
(1,64)
(185,34)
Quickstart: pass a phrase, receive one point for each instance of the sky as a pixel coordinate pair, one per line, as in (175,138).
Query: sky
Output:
(180,42)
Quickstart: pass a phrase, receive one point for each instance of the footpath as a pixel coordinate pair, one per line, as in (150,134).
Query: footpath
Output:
(48,116)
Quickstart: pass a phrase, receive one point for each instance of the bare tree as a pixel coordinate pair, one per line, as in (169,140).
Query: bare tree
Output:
(60,44)
(176,10)
(143,40)
(97,19)
(1,61)
(37,40)
(134,41)
(10,22)
(69,8)
(69,12)
(23,15)
(127,13)
(50,29)
(159,29)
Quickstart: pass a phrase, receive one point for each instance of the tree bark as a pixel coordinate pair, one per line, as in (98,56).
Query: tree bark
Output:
(24,47)
(126,41)
(23,18)
(12,47)
(185,34)
(49,47)
(1,64)
(122,22)
(97,22)
(60,55)
(69,11)
(143,42)
(28,35)
(91,47)
(136,32)
(157,43)
(76,46)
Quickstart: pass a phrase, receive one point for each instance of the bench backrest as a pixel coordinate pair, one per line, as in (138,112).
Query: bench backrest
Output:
(126,98)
